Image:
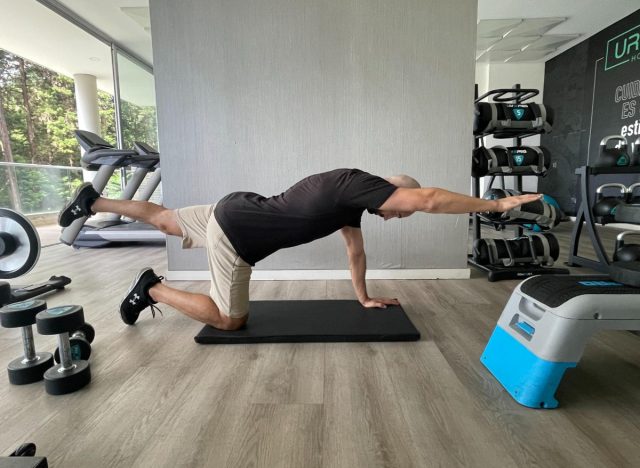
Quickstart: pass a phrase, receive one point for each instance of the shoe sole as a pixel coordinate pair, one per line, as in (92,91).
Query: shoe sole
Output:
(69,203)
(65,208)
(133,284)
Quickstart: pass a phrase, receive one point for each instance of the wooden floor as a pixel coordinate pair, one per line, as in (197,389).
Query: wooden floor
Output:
(158,399)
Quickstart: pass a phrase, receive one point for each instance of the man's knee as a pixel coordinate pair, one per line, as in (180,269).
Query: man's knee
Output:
(167,221)
(232,323)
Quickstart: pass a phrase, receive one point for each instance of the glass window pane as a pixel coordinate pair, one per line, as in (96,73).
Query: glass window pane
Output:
(39,155)
(138,111)
(138,103)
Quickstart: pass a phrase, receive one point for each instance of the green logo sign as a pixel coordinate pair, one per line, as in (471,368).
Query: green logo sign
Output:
(519,159)
(623,48)
(518,112)
(623,160)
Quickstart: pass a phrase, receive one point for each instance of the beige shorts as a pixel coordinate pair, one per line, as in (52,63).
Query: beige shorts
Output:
(230,274)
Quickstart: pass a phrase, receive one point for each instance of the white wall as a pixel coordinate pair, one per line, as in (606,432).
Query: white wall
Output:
(505,75)
(254,95)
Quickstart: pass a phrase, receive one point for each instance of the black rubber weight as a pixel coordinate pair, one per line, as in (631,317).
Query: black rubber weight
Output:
(88,332)
(21,314)
(60,320)
(21,373)
(28,235)
(61,383)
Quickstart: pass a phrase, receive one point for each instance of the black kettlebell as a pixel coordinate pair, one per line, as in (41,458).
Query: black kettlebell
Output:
(632,197)
(628,252)
(605,206)
(613,155)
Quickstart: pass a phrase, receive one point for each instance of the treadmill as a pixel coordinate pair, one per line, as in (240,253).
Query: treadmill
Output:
(146,150)
(104,158)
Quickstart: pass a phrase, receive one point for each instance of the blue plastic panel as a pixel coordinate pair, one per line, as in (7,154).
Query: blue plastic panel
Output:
(530,380)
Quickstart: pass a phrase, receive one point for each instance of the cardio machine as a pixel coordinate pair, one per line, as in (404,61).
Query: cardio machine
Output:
(104,158)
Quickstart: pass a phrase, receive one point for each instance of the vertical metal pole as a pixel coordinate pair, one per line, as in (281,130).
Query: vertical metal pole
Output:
(476,180)
(118,109)
(476,219)
(517,142)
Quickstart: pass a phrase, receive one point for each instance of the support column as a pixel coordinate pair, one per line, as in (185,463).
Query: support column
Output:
(87,108)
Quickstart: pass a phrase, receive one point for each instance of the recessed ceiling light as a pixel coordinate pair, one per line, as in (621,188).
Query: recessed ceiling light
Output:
(94,59)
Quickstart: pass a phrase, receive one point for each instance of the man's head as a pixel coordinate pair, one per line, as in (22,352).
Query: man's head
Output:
(403,181)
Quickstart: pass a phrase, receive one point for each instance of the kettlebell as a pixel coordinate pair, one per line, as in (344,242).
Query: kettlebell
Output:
(632,198)
(613,155)
(606,206)
(628,252)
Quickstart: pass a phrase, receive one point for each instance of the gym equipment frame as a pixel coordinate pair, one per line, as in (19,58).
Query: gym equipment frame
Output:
(495,272)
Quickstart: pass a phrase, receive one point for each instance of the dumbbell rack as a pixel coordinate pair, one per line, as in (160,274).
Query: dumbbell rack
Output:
(494,272)
(585,217)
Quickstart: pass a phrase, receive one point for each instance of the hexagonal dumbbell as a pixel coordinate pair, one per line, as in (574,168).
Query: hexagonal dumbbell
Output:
(32,366)
(71,374)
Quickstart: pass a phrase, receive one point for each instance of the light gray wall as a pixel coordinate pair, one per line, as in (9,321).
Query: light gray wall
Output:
(257,94)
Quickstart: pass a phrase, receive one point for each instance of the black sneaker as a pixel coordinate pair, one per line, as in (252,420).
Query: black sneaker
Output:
(137,298)
(79,205)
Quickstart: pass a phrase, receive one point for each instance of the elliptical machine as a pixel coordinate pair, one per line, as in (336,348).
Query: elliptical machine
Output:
(104,158)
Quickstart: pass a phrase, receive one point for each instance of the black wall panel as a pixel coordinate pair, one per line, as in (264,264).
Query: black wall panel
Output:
(591,88)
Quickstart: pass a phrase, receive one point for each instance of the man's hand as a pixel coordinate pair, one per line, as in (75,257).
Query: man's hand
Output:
(509,203)
(379,302)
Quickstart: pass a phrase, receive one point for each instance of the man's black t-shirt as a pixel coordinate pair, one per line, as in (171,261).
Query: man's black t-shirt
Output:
(313,208)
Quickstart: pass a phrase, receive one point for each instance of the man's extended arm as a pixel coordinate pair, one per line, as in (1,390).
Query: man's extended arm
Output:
(358,266)
(436,200)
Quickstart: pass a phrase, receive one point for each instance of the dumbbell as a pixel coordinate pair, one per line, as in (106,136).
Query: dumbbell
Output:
(632,198)
(80,344)
(32,366)
(628,252)
(613,156)
(605,207)
(71,374)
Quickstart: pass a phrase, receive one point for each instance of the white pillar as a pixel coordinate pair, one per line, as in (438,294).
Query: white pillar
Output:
(87,109)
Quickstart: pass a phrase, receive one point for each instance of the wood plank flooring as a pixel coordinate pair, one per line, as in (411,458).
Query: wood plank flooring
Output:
(157,399)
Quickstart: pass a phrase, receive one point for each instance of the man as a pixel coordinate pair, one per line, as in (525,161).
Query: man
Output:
(244,227)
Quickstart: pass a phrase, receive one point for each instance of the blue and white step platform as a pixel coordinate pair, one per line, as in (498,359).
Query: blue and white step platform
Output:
(544,329)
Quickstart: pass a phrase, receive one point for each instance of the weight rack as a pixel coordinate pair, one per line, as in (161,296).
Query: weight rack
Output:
(494,272)
(585,217)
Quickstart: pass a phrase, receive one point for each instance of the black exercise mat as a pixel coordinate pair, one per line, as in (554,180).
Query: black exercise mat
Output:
(315,322)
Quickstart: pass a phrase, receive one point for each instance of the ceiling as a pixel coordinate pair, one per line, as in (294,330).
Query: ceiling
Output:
(33,31)
(127,21)
(541,29)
